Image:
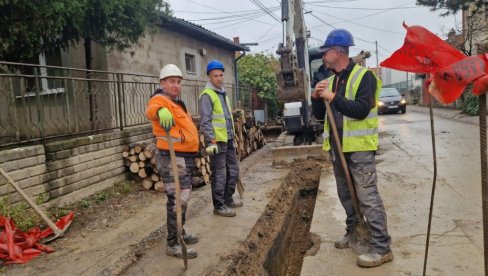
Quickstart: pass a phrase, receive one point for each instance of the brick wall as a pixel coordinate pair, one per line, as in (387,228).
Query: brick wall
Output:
(63,172)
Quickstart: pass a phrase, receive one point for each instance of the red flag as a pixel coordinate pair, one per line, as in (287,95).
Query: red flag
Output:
(453,79)
(422,52)
(451,71)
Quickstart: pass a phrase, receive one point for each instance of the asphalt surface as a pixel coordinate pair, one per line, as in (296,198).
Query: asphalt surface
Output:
(405,179)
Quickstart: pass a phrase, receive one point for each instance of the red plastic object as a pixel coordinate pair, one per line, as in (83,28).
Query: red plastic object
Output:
(17,247)
(450,70)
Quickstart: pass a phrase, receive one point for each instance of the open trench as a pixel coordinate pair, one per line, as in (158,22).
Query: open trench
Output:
(280,239)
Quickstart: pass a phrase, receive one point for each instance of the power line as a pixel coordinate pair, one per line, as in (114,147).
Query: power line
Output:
(267,31)
(320,19)
(233,16)
(213,8)
(264,8)
(219,11)
(361,8)
(384,48)
(335,28)
(361,25)
(371,14)
(239,21)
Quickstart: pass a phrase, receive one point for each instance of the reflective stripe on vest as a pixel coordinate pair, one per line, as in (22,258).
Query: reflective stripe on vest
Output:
(173,139)
(358,134)
(219,123)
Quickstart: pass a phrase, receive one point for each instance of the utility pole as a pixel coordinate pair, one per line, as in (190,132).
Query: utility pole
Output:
(376,44)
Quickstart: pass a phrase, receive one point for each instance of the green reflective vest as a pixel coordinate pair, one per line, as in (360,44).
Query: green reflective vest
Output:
(358,135)
(218,117)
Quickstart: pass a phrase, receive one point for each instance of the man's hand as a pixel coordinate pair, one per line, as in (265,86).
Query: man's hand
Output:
(166,119)
(319,87)
(327,94)
(212,149)
(322,91)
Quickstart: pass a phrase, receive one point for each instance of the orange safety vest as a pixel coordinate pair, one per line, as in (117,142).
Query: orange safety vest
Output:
(184,133)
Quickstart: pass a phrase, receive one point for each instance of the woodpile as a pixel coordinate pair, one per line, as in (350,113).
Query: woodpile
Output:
(202,172)
(140,160)
(249,136)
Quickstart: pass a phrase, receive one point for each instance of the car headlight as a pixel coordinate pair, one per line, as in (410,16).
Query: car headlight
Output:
(380,103)
(403,101)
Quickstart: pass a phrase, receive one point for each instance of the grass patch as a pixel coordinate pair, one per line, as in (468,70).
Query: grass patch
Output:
(24,217)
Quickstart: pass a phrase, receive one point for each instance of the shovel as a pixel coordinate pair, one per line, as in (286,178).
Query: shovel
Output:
(240,187)
(360,233)
(57,232)
(179,226)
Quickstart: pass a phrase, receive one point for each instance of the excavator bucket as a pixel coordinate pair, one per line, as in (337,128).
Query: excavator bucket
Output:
(285,153)
(288,155)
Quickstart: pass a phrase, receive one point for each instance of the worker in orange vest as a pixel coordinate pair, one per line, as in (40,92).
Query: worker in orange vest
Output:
(168,113)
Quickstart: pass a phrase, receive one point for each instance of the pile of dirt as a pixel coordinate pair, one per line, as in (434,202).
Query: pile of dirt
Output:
(280,239)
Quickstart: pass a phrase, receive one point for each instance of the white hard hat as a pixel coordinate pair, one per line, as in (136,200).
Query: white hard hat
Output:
(170,70)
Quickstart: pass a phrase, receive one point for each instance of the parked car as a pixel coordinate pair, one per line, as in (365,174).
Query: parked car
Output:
(391,101)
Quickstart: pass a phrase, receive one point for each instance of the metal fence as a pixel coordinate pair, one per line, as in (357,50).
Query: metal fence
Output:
(39,102)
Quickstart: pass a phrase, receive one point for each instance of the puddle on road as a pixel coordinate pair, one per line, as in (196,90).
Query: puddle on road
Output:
(280,239)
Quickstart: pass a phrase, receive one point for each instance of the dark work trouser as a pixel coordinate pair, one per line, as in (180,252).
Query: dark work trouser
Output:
(225,172)
(165,169)
(363,171)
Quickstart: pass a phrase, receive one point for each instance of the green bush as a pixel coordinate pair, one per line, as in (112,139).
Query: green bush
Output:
(471,105)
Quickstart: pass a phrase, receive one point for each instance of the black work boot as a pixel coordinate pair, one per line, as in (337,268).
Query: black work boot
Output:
(225,211)
(233,204)
(190,239)
(176,251)
(343,242)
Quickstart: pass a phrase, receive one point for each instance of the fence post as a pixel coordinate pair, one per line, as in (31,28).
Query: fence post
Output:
(15,112)
(120,99)
(40,111)
(68,109)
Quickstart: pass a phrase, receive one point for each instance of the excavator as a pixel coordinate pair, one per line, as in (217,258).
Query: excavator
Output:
(302,132)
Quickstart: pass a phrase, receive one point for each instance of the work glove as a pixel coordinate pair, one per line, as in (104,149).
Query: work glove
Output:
(212,149)
(166,119)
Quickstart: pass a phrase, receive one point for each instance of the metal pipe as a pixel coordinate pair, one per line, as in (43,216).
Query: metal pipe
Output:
(484,175)
(434,157)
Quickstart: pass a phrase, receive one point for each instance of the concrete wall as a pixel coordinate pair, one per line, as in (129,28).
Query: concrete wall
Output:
(158,49)
(63,172)
(163,47)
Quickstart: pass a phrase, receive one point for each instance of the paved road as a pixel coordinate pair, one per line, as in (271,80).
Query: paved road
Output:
(405,173)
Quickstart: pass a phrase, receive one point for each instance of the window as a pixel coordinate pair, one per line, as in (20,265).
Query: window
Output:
(190,64)
(47,83)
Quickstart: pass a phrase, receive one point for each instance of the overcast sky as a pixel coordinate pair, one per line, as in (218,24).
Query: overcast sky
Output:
(367,20)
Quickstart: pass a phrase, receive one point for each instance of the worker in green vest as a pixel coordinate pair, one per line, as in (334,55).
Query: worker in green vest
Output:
(353,92)
(217,125)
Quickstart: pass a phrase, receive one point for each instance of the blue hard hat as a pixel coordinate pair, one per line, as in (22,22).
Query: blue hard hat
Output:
(337,37)
(214,64)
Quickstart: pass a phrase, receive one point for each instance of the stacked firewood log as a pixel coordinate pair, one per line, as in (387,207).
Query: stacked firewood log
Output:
(141,161)
(202,172)
(139,158)
(249,136)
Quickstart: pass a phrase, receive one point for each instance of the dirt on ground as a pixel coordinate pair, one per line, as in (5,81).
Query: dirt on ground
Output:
(99,213)
(102,228)
(280,239)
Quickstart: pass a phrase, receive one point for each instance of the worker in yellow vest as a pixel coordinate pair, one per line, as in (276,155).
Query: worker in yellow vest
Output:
(217,125)
(353,92)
